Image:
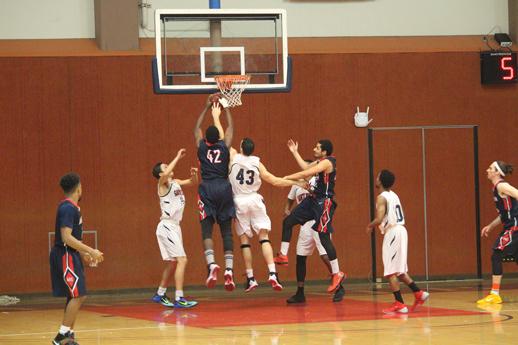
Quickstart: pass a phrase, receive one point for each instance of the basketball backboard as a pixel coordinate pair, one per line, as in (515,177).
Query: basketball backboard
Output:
(194,46)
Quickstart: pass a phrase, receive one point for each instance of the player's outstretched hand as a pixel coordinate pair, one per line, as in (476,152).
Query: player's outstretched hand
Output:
(216,110)
(485,231)
(181,153)
(293,146)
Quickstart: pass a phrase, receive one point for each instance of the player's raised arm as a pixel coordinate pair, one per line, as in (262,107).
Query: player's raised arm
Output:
(229,132)
(198,135)
(313,169)
(277,181)
(216,112)
(293,146)
(170,167)
(190,181)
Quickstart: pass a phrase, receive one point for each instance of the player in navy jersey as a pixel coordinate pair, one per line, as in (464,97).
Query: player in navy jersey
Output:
(319,206)
(66,265)
(506,244)
(214,192)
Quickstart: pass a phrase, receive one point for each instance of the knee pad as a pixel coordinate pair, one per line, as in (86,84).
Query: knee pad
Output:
(264,241)
(496,262)
(243,246)
(206,228)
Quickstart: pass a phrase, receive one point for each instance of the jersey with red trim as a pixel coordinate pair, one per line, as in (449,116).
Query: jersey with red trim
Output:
(325,182)
(214,159)
(507,207)
(68,215)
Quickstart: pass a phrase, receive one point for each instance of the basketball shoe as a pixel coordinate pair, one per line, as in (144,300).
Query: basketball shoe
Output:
(420,297)
(163,300)
(229,280)
(492,298)
(251,284)
(296,299)
(280,259)
(336,280)
(339,294)
(273,279)
(65,339)
(183,303)
(212,276)
(397,307)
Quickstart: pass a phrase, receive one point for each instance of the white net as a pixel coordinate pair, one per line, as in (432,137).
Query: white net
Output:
(232,86)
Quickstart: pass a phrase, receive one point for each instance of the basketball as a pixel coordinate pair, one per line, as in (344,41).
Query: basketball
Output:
(215,97)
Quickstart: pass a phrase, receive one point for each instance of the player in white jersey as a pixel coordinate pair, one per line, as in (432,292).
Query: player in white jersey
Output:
(245,176)
(390,220)
(169,233)
(307,241)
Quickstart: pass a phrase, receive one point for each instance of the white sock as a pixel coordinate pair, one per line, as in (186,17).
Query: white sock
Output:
(178,294)
(334,266)
(495,292)
(271,268)
(284,248)
(161,291)
(249,273)
(63,329)
(229,261)
(209,256)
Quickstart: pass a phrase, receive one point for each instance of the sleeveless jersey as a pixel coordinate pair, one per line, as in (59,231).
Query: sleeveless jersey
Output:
(298,193)
(172,203)
(244,174)
(507,207)
(325,183)
(394,213)
(214,159)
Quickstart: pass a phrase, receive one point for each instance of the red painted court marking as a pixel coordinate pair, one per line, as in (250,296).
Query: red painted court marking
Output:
(265,311)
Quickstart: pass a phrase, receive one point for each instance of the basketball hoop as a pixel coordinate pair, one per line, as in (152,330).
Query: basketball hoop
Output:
(232,86)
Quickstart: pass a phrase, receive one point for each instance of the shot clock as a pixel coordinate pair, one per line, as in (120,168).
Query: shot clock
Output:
(498,68)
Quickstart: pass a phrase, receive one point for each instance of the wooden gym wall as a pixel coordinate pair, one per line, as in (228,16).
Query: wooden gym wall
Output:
(98,116)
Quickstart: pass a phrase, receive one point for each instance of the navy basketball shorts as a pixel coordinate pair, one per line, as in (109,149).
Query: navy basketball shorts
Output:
(319,210)
(67,273)
(507,241)
(215,200)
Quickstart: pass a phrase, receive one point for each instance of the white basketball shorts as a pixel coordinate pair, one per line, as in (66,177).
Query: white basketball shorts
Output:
(308,240)
(251,214)
(169,236)
(394,251)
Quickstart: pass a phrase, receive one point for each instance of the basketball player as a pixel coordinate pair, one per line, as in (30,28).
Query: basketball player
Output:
(506,244)
(319,207)
(391,221)
(214,192)
(246,175)
(168,231)
(307,241)
(67,255)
